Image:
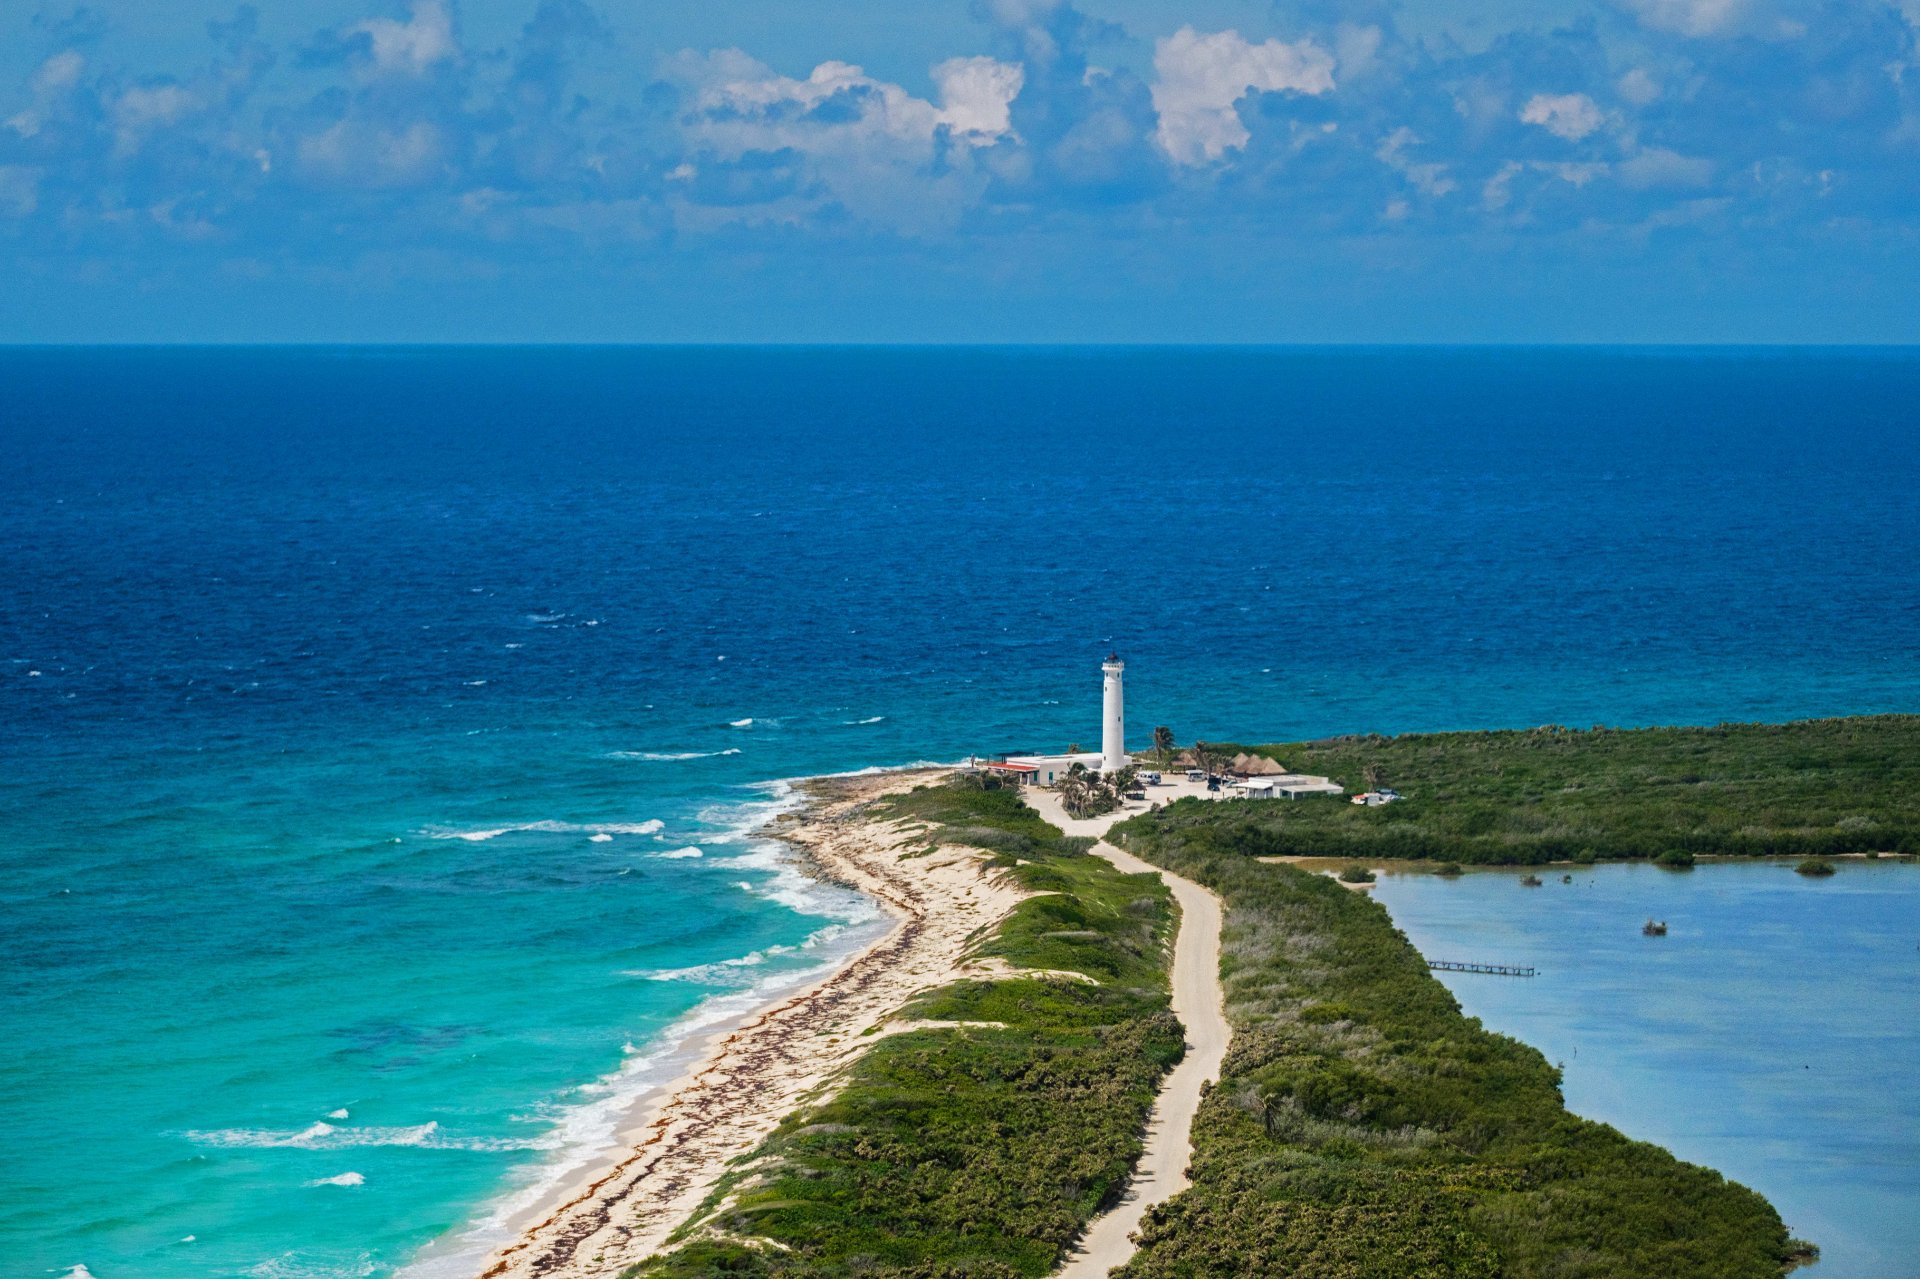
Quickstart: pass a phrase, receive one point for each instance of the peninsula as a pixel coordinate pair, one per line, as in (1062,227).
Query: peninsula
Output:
(1124,1037)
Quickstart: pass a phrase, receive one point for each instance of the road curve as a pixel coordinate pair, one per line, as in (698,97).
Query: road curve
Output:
(1198,1003)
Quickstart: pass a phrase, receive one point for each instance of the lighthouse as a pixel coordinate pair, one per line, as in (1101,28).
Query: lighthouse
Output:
(1113,719)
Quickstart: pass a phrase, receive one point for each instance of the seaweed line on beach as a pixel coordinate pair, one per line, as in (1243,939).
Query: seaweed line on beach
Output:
(762,1068)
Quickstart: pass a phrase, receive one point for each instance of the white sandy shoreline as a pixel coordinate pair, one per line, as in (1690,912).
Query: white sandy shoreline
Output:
(667,1065)
(741,1076)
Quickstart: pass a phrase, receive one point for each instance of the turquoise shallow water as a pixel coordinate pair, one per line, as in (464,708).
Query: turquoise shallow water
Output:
(1771,1034)
(283,633)
(265,1049)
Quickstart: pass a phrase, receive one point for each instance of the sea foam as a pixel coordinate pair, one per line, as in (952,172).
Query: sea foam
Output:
(325,1136)
(548,827)
(737,972)
(583,1133)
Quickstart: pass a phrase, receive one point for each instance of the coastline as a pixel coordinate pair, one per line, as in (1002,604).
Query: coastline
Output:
(747,1074)
(1726,1042)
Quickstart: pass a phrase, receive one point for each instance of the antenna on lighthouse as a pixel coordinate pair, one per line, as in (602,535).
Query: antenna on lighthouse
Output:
(1113,722)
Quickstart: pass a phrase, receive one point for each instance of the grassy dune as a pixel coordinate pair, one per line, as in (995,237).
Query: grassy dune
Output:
(1363,1127)
(1814,788)
(972,1151)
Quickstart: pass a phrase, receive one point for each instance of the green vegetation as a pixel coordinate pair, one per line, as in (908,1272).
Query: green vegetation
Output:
(1449,869)
(974,1150)
(1084,794)
(1356,875)
(1363,1128)
(1816,788)
(1814,866)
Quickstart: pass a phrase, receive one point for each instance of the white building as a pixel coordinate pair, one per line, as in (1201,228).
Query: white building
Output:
(1287,786)
(1113,717)
(1047,770)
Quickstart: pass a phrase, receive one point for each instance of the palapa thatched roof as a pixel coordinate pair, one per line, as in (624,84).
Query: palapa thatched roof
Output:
(1257,766)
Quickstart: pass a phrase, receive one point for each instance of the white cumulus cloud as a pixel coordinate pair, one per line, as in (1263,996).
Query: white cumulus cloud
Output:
(1659,167)
(745,106)
(144,108)
(55,77)
(1428,178)
(1637,87)
(411,46)
(976,95)
(865,144)
(362,154)
(1565,115)
(1199,79)
(1690,17)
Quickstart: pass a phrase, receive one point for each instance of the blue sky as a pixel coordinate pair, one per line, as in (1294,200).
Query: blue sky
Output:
(985,170)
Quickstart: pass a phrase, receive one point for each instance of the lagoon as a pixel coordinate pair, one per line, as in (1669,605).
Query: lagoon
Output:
(341,689)
(1770,1034)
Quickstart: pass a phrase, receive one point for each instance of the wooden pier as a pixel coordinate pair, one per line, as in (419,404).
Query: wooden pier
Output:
(1498,970)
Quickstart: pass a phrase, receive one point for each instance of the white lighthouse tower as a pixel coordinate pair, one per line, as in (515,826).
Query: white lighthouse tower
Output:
(1113,720)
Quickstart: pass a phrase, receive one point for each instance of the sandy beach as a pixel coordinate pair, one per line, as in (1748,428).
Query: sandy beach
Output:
(783,1055)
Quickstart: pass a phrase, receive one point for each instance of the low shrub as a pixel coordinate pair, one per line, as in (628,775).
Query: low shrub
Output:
(980,1151)
(1363,1128)
(1816,788)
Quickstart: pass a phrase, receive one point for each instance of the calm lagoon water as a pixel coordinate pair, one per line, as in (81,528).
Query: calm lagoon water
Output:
(360,709)
(1771,1034)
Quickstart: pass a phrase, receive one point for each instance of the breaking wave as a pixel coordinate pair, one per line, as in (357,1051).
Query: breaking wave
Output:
(554,828)
(739,972)
(582,1133)
(325,1136)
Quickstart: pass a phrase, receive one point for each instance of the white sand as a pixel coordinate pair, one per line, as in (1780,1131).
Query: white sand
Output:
(786,1054)
(791,1053)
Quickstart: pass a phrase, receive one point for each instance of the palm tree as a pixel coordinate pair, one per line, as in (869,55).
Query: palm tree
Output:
(1076,793)
(1375,778)
(1163,745)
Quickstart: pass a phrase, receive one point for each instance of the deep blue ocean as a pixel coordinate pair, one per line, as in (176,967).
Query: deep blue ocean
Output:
(362,711)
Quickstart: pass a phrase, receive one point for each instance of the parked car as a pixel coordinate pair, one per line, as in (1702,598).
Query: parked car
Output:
(1152,779)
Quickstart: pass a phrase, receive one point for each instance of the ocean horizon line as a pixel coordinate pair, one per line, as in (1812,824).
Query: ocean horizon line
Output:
(1050,345)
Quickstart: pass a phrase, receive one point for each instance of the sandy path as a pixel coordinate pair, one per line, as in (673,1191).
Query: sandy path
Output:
(1199,1004)
(756,1074)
